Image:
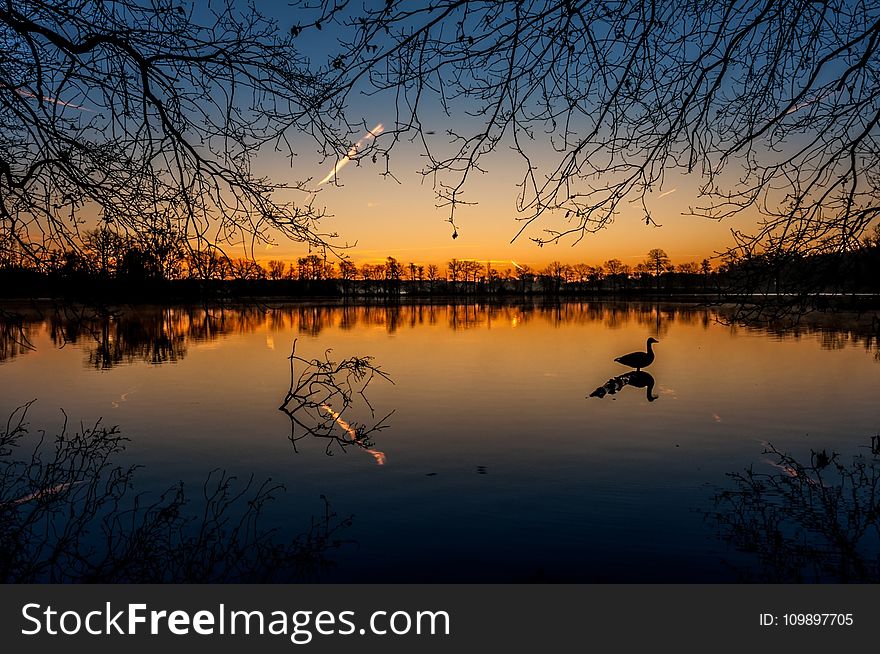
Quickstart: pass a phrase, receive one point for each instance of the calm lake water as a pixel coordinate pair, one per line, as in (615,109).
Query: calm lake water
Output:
(496,464)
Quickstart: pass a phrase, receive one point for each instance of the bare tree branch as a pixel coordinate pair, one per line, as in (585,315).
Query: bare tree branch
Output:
(774,105)
(150,117)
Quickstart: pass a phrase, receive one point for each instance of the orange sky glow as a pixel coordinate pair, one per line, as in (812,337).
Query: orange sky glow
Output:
(384,217)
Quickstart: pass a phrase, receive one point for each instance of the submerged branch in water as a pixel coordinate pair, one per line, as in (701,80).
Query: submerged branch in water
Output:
(324,384)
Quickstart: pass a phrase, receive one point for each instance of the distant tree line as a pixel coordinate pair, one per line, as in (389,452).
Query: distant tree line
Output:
(156,256)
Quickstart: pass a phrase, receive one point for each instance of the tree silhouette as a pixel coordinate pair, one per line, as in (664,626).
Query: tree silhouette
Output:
(151,114)
(455,268)
(347,272)
(105,247)
(433,273)
(556,271)
(615,268)
(773,104)
(393,274)
(311,267)
(275,269)
(657,262)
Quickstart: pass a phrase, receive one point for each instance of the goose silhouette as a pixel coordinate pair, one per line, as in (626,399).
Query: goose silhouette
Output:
(639,360)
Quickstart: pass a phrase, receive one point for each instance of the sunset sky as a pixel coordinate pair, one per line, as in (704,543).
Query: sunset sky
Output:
(400,217)
(387,218)
(357,81)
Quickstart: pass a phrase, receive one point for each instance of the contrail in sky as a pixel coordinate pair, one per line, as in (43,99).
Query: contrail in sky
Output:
(352,152)
(62,103)
(663,195)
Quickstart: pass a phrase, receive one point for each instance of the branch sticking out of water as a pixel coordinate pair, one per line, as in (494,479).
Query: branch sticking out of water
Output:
(319,400)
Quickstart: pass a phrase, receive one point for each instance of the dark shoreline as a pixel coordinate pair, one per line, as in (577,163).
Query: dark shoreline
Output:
(182,291)
(232,295)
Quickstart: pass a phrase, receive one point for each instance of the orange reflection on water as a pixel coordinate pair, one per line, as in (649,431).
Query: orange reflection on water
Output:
(159,335)
(376,454)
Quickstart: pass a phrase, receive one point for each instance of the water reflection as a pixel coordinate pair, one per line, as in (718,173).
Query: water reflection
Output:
(588,495)
(634,378)
(69,513)
(815,522)
(15,335)
(322,398)
(158,335)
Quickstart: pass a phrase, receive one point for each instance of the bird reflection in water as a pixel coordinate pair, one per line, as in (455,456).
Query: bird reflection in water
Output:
(635,378)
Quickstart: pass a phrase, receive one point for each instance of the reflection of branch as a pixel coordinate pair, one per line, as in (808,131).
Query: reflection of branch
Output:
(325,390)
(816,522)
(64,518)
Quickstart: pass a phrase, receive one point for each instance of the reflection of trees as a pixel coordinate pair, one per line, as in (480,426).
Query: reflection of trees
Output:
(465,316)
(15,336)
(67,515)
(150,334)
(807,522)
(322,398)
(149,338)
(833,330)
(311,320)
(163,334)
